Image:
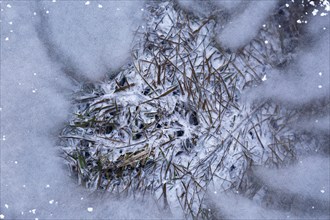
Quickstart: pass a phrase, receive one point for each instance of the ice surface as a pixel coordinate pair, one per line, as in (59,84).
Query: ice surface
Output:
(233,206)
(305,82)
(42,43)
(239,21)
(296,192)
(35,102)
(95,38)
(309,178)
(301,82)
(245,26)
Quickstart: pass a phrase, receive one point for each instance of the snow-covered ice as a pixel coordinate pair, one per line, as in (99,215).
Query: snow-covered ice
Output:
(49,48)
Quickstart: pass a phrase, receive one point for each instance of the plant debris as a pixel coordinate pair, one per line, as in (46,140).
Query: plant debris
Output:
(172,123)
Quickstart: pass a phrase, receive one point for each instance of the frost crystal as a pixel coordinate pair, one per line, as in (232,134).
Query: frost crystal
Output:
(172,122)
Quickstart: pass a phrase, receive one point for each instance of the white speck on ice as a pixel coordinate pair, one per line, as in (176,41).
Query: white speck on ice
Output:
(47,186)
(16,162)
(312,3)
(2,216)
(7,39)
(33,211)
(266,41)
(11,31)
(324,28)
(323,14)
(89,209)
(24,186)
(314,12)
(53,0)
(287,5)
(47,12)
(3,137)
(322,191)
(299,21)
(279,26)
(34,13)
(320,73)
(320,86)
(327,5)
(81,198)
(87,3)
(118,9)
(8,6)
(264,25)
(34,74)
(313,207)
(100,6)
(36,219)
(264,78)
(10,22)
(34,90)
(316,121)
(7,206)
(215,192)
(51,201)
(142,9)
(22,213)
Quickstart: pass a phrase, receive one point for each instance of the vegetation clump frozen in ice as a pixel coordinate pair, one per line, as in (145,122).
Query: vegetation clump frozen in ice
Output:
(173,123)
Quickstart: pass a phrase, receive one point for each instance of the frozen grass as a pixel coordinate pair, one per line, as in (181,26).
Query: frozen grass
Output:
(172,123)
(221,157)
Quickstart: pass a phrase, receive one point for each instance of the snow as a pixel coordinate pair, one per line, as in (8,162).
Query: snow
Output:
(298,83)
(95,42)
(245,26)
(306,182)
(207,148)
(309,179)
(43,43)
(234,206)
(30,122)
(238,21)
